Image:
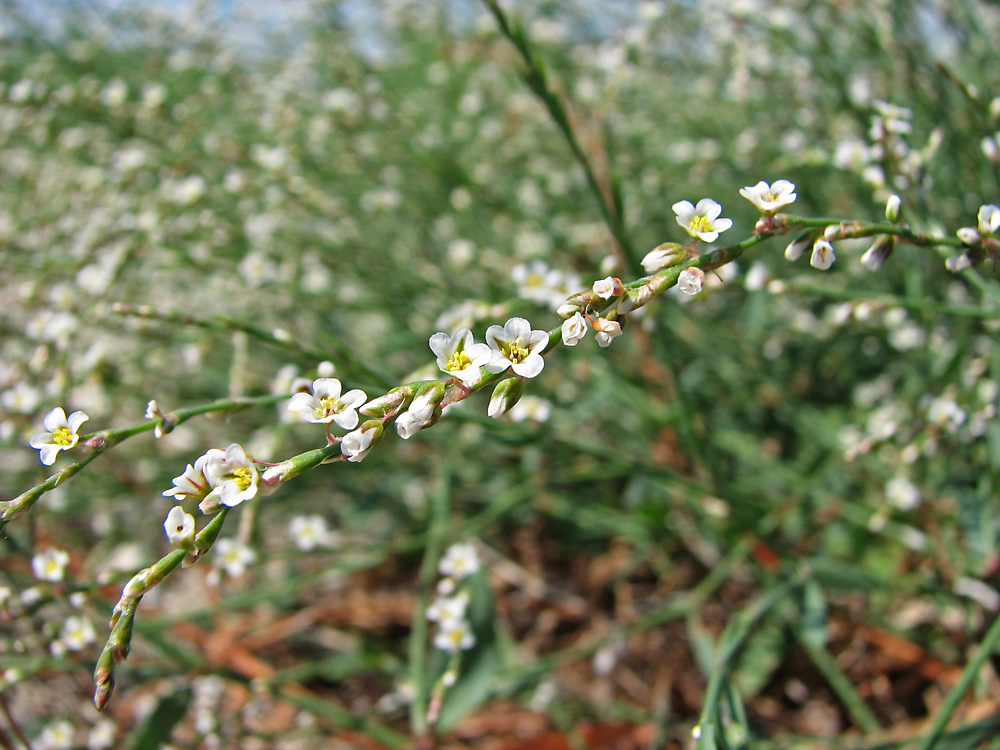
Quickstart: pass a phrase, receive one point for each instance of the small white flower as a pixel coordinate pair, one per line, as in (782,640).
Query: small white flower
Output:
(822,255)
(355,445)
(454,636)
(769,198)
(193,482)
(902,493)
(233,557)
(515,345)
(608,287)
(701,221)
(958,263)
(310,532)
(179,527)
(61,434)
(56,736)
(50,565)
(989,220)
(459,561)
(77,633)
(574,329)
(459,355)
(325,404)
(691,280)
(533,408)
(969,235)
(663,256)
(232,474)
(101,735)
(894,208)
(448,609)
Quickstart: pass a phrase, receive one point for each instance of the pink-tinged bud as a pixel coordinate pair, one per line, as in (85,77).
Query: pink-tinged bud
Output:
(103,691)
(691,280)
(894,209)
(507,393)
(608,288)
(274,476)
(878,253)
(394,401)
(211,504)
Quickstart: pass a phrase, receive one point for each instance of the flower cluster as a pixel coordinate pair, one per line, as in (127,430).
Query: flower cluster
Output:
(448,610)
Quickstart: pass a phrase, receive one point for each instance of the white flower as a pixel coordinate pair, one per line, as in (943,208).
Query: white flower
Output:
(822,255)
(902,493)
(459,561)
(101,735)
(894,208)
(355,445)
(539,283)
(701,221)
(458,355)
(769,198)
(958,263)
(663,256)
(56,736)
(608,287)
(179,527)
(233,557)
(232,474)
(515,345)
(574,329)
(325,404)
(454,636)
(531,407)
(989,220)
(691,280)
(60,434)
(77,633)
(969,235)
(448,609)
(310,532)
(50,565)
(193,482)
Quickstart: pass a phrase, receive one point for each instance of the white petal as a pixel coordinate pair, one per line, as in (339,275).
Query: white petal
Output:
(54,419)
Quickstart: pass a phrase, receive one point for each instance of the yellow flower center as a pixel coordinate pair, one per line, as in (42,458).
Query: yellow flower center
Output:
(700,224)
(62,436)
(769,197)
(457,361)
(242,477)
(514,351)
(330,405)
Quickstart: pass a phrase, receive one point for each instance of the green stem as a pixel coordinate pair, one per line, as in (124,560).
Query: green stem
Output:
(861,715)
(440,509)
(986,648)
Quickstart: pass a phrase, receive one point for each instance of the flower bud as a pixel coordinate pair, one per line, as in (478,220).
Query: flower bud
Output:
(691,280)
(137,586)
(879,252)
(396,399)
(663,256)
(608,288)
(795,250)
(567,310)
(212,503)
(969,235)
(833,232)
(355,445)
(822,255)
(180,528)
(507,393)
(611,327)
(894,209)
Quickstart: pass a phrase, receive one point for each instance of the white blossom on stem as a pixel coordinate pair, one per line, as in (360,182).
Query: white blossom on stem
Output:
(454,636)
(193,482)
(459,355)
(822,255)
(574,329)
(233,475)
(325,404)
(61,434)
(691,280)
(50,565)
(460,561)
(702,221)
(769,198)
(179,528)
(516,346)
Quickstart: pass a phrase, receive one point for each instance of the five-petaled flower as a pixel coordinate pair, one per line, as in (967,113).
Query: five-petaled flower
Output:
(702,221)
(516,346)
(769,198)
(458,355)
(61,434)
(325,404)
